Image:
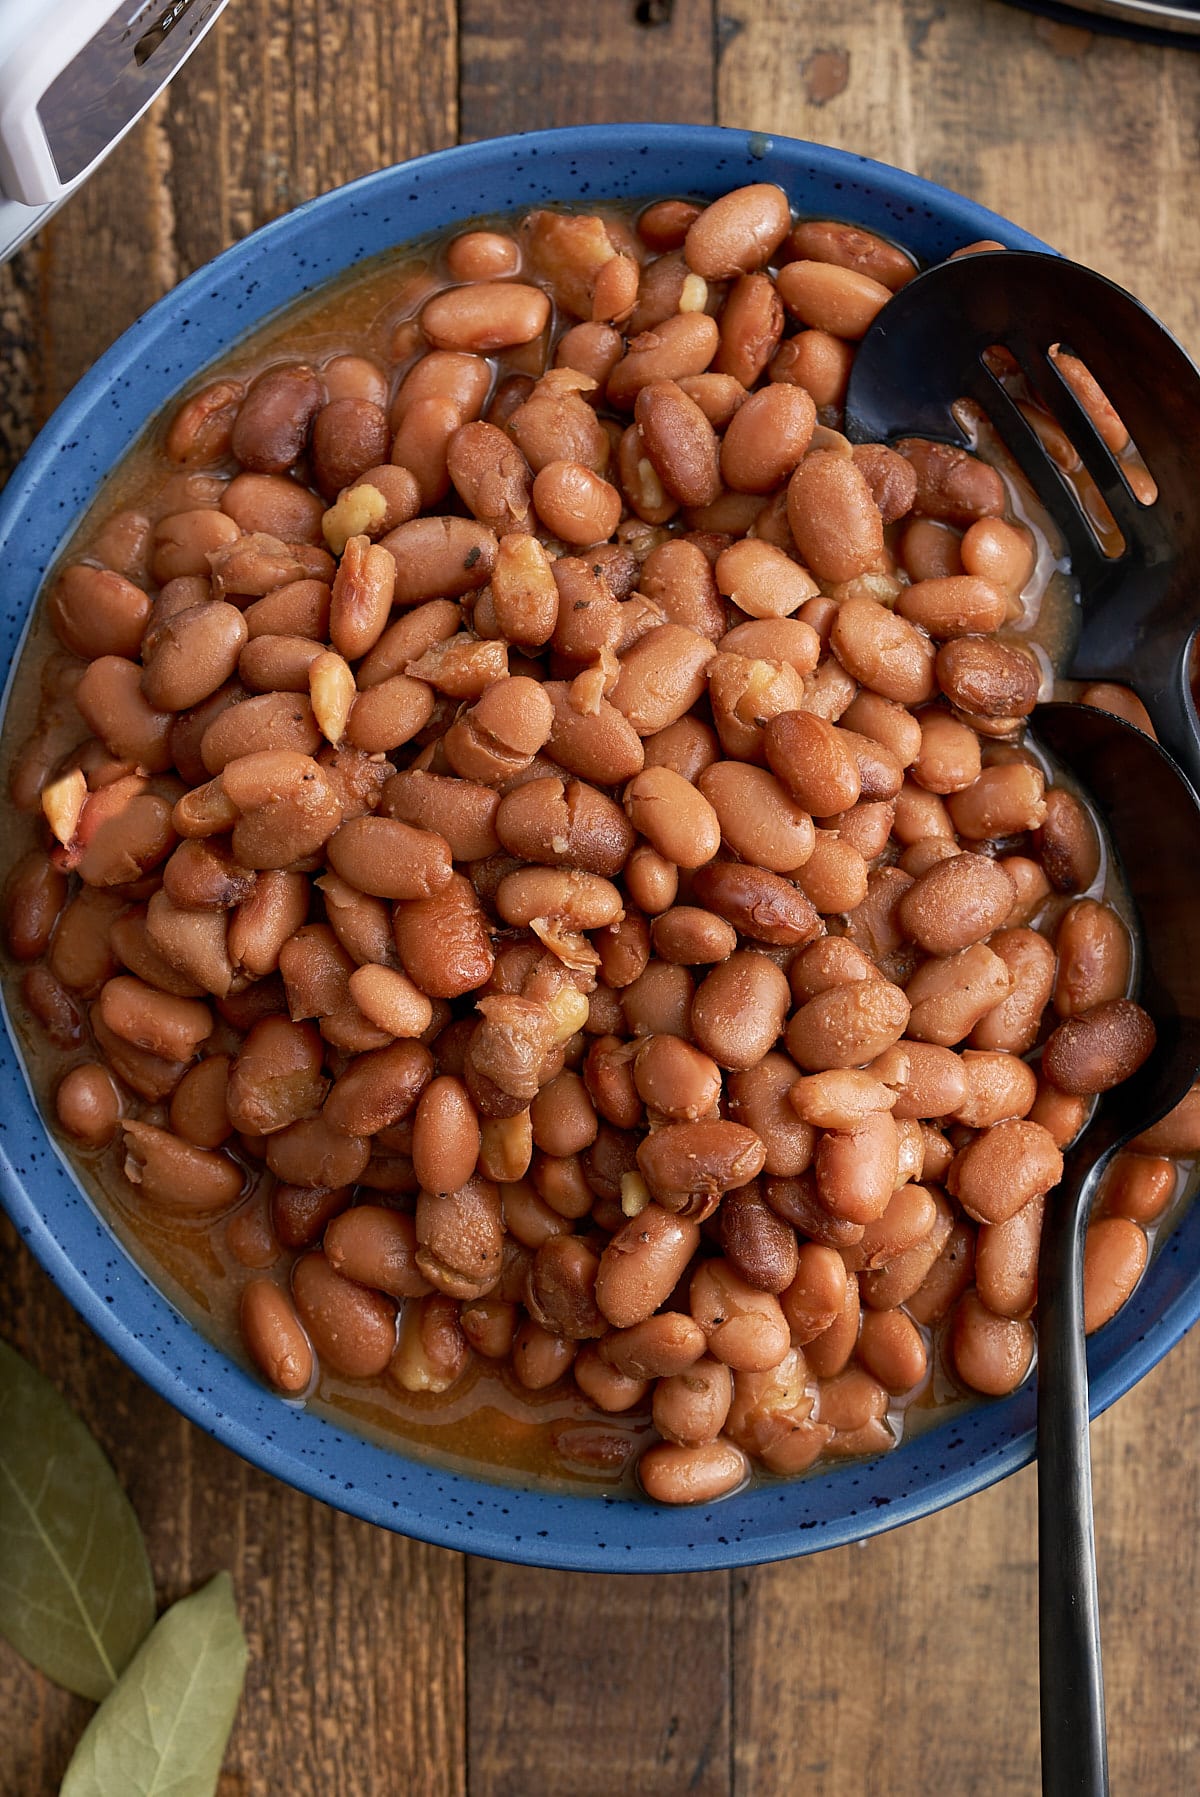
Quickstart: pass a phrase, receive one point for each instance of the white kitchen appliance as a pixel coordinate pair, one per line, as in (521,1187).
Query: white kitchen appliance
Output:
(75,75)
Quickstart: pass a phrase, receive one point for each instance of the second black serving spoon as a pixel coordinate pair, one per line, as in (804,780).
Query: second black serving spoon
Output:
(1138,618)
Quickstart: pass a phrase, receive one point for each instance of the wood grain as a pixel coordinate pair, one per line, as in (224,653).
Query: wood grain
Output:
(592,1685)
(381,1668)
(595,60)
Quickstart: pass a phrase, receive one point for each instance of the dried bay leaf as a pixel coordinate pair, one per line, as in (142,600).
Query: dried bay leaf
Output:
(163,1731)
(76,1595)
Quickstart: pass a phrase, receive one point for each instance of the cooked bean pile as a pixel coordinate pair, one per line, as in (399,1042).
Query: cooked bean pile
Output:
(540,856)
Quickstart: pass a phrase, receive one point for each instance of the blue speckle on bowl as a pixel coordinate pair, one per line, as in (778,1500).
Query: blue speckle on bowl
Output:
(137,378)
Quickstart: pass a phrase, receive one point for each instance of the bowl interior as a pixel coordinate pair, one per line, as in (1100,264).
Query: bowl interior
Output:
(163,352)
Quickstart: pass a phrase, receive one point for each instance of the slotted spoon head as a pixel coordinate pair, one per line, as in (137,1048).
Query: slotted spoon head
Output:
(925,351)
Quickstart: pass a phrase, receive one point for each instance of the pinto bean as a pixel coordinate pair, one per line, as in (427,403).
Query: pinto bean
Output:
(560,1289)
(1003,1169)
(952,484)
(1139,1186)
(89,1105)
(758,1243)
(833,517)
(676,819)
(1094,951)
(1114,1259)
(738,232)
(352,1328)
(95,612)
(444,941)
(692,937)
(1013,1024)
(482,316)
(957,902)
(173,1175)
(884,651)
(843,301)
(459,1239)
(1068,843)
(671,1473)
(662,677)
(739,1010)
(949,995)
(689,1165)
(275,1338)
(847,1025)
(991,1354)
(1097,1049)
(745,1327)
(987,678)
(274,419)
(758,903)
(1006,1260)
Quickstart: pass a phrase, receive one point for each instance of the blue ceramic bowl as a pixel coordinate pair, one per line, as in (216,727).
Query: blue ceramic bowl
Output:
(134,381)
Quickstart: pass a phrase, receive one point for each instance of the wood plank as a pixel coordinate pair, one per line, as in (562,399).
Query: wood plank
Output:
(595,63)
(356,1636)
(591,1684)
(1084,139)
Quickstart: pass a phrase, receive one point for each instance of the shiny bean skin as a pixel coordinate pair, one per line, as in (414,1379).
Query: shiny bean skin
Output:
(89,1105)
(1006,1260)
(275,1338)
(847,1025)
(34,899)
(692,937)
(673,816)
(991,1354)
(1139,1186)
(738,232)
(1177,1133)
(689,1165)
(1013,1024)
(1096,1049)
(690,1408)
(1094,958)
(957,902)
(674,1474)
(843,301)
(856,1168)
(950,994)
(446,1138)
(758,903)
(745,1328)
(674,1080)
(739,1010)
(1004,1169)
(1114,1259)
(176,1176)
(834,520)
(758,1243)
(891,1348)
(483,316)
(352,1328)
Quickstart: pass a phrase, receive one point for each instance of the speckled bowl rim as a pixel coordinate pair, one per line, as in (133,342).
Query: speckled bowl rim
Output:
(160,354)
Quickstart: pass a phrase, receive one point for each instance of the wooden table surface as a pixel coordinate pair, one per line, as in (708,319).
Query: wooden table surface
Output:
(383,1668)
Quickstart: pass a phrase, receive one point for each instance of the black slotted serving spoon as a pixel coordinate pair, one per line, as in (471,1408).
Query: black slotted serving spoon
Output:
(1138,617)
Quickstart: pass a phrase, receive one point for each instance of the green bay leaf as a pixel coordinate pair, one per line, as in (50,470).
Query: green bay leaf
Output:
(163,1731)
(76,1595)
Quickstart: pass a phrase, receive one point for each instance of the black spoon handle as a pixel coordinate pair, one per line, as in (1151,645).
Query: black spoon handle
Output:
(1074,1751)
